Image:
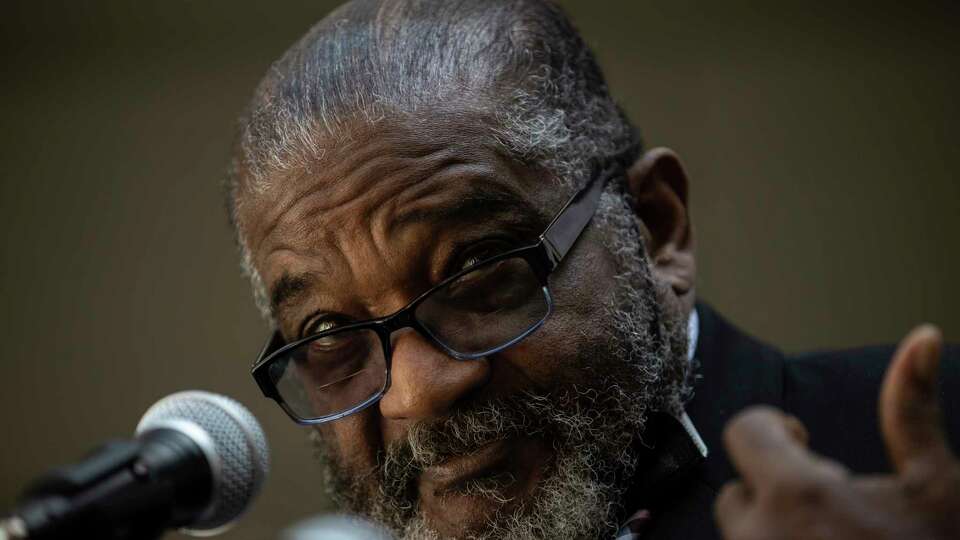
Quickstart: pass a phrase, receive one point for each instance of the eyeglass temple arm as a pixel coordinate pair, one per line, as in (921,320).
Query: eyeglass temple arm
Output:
(563,232)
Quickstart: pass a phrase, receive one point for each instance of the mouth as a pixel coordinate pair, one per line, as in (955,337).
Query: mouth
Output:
(466,491)
(456,473)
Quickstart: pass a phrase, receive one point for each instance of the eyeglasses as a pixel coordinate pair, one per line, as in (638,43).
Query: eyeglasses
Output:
(477,312)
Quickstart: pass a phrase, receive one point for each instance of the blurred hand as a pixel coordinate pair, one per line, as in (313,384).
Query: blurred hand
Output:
(788,492)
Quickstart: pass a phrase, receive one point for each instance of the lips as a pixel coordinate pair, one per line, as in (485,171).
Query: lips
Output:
(453,474)
(464,492)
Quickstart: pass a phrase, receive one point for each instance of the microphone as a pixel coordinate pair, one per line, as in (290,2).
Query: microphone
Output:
(197,461)
(335,527)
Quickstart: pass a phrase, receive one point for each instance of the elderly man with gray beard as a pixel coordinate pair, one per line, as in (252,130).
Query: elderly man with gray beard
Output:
(482,289)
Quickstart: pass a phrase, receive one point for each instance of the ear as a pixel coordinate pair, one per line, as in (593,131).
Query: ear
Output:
(658,185)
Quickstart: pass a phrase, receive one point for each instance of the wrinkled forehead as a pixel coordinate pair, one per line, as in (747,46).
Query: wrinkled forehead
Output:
(384,213)
(438,166)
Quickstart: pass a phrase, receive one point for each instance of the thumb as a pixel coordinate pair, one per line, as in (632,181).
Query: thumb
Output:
(909,409)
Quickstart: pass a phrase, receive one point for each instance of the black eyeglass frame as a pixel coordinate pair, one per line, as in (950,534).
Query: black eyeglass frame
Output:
(543,258)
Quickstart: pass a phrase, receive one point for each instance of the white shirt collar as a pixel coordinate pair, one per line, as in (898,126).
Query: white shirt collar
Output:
(693,333)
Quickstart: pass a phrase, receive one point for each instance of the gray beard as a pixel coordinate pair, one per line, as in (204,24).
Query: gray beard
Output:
(634,366)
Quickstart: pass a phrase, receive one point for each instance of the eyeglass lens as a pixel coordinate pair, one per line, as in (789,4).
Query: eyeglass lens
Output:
(331,374)
(476,313)
(486,308)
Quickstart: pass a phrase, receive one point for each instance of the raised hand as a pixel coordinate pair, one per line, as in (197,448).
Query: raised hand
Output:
(789,492)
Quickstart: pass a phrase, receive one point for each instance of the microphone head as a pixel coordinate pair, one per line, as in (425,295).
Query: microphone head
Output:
(233,443)
(335,527)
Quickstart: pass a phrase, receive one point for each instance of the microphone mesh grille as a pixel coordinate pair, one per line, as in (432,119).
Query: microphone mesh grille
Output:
(238,441)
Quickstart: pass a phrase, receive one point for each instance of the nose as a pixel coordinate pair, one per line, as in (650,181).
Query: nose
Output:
(426,382)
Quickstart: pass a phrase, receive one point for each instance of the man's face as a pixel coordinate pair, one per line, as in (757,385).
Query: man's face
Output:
(463,446)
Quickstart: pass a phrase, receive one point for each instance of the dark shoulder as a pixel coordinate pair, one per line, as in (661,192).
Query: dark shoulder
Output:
(835,394)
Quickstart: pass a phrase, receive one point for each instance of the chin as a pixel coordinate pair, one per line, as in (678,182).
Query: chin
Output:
(465,494)
(465,515)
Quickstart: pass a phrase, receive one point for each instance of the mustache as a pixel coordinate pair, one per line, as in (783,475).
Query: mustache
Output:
(574,415)
(591,428)
(430,443)
(462,432)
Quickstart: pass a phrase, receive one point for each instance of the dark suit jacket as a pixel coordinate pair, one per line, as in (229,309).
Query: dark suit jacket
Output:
(833,393)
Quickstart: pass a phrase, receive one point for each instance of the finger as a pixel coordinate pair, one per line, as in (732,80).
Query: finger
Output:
(797,430)
(764,444)
(881,494)
(731,507)
(909,408)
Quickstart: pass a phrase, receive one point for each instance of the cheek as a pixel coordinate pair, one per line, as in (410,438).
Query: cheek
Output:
(581,289)
(354,440)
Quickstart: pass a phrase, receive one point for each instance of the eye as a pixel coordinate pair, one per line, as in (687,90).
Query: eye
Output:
(477,253)
(321,324)
(329,343)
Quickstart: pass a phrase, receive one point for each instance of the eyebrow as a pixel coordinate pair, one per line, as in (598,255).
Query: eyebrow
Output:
(490,202)
(289,287)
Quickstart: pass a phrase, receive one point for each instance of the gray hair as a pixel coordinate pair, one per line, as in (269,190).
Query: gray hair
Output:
(518,69)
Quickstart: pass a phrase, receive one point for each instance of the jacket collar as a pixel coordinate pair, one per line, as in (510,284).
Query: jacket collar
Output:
(732,371)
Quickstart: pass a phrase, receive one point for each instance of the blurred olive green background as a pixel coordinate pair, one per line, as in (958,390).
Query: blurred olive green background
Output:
(821,143)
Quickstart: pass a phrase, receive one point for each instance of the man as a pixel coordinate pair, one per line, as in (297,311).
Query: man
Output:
(483,295)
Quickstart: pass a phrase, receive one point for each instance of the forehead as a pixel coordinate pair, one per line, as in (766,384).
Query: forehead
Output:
(394,165)
(379,186)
